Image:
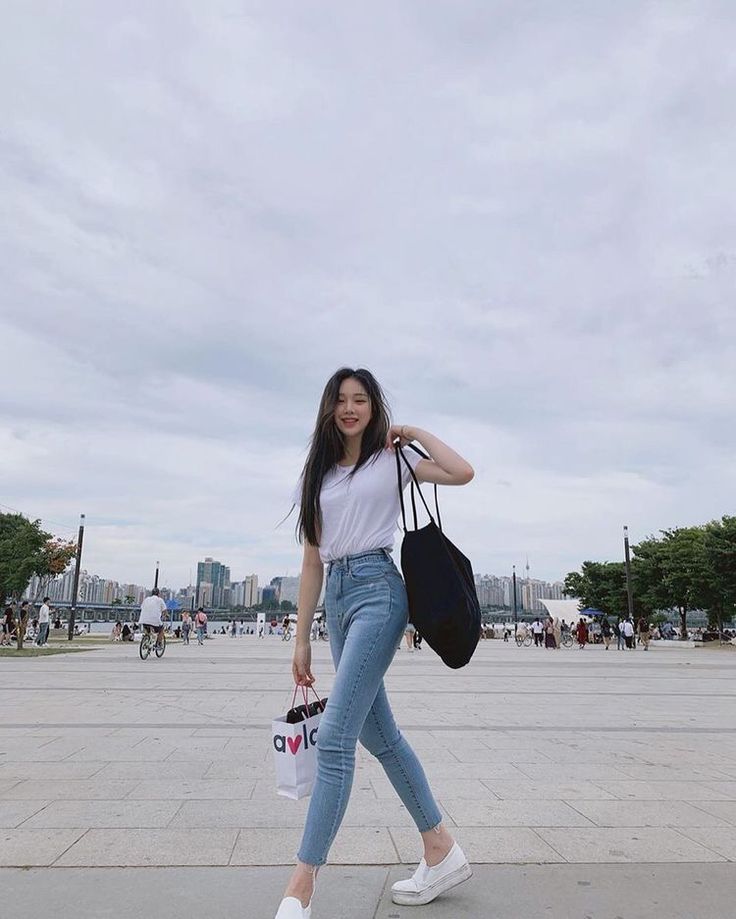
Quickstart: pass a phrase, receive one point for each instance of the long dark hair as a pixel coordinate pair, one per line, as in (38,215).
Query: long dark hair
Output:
(327,445)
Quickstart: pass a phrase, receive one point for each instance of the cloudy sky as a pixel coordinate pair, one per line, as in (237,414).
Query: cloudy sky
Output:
(521,216)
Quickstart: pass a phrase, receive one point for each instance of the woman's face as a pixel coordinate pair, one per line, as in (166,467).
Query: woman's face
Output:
(353,409)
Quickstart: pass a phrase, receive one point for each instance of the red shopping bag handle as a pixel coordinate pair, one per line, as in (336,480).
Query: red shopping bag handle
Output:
(305,695)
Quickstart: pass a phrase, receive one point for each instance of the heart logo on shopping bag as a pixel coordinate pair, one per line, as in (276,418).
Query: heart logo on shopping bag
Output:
(294,743)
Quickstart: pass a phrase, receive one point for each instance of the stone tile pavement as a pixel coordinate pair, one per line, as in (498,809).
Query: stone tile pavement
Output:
(540,760)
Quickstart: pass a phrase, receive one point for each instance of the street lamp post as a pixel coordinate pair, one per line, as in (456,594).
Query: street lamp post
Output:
(155,580)
(75,585)
(629,586)
(513,581)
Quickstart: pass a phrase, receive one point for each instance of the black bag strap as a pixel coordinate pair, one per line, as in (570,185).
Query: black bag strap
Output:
(415,481)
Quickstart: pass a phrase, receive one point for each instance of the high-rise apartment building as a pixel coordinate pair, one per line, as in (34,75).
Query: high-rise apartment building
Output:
(213,579)
(250,587)
(497,592)
(286,589)
(244,593)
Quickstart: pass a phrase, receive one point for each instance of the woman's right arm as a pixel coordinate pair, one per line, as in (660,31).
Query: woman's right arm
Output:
(310,587)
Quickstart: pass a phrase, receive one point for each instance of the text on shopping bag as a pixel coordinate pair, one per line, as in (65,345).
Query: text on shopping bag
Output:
(281,742)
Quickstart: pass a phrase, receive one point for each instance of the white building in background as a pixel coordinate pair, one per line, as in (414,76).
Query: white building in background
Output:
(251,595)
(244,593)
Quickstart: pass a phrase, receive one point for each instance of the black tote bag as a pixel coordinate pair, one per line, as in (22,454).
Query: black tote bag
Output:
(440,586)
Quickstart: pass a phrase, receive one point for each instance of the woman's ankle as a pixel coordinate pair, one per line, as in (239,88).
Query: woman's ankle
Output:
(301,884)
(437,845)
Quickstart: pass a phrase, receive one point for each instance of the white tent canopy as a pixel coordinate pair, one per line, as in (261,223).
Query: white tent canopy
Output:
(563,609)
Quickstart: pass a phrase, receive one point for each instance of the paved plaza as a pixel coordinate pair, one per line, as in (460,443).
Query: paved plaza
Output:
(580,783)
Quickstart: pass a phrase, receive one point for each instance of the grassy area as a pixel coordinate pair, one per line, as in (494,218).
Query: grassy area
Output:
(33,651)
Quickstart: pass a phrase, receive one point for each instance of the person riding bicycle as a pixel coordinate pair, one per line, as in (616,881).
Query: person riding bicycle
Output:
(286,627)
(152,614)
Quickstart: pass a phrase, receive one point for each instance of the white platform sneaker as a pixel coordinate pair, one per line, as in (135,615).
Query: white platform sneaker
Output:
(428,883)
(291,908)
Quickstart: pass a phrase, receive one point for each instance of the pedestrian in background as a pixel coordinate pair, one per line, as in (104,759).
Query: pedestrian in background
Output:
(606,631)
(581,632)
(628,630)
(8,626)
(201,622)
(409,636)
(44,615)
(644,633)
(619,629)
(186,626)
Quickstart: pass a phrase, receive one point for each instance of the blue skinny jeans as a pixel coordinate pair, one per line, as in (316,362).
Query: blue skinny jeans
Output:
(366,607)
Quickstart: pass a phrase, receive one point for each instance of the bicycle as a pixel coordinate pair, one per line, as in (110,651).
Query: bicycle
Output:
(148,643)
(525,642)
(567,640)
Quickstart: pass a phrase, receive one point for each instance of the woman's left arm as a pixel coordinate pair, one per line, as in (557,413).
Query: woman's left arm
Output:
(445,468)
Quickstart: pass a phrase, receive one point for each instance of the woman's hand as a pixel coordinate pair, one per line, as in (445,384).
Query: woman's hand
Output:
(301,666)
(400,431)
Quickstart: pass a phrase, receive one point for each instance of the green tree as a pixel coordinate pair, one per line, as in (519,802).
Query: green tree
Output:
(600,585)
(719,561)
(671,572)
(27,550)
(286,606)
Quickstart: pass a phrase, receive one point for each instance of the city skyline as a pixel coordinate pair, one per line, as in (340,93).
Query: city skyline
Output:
(492,590)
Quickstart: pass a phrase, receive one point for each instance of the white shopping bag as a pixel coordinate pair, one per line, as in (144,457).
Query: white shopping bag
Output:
(295,748)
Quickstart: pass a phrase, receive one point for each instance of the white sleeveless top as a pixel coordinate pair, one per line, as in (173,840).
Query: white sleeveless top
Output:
(361,513)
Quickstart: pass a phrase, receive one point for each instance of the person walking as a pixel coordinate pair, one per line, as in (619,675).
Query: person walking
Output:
(606,631)
(549,633)
(557,632)
(348,511)
(186,626)
(619,629)
(409,636)
(200,620)
(538,632)
(44,616)
(628,630)
(581,631)
(644,632)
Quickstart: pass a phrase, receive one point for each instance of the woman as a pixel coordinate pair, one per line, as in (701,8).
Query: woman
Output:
(606,632)
(349,508)
(186,626)
(582,634)
(557,631)
(200,620)
(549,633)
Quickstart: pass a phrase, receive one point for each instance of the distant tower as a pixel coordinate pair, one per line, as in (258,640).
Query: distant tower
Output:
(528,602)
